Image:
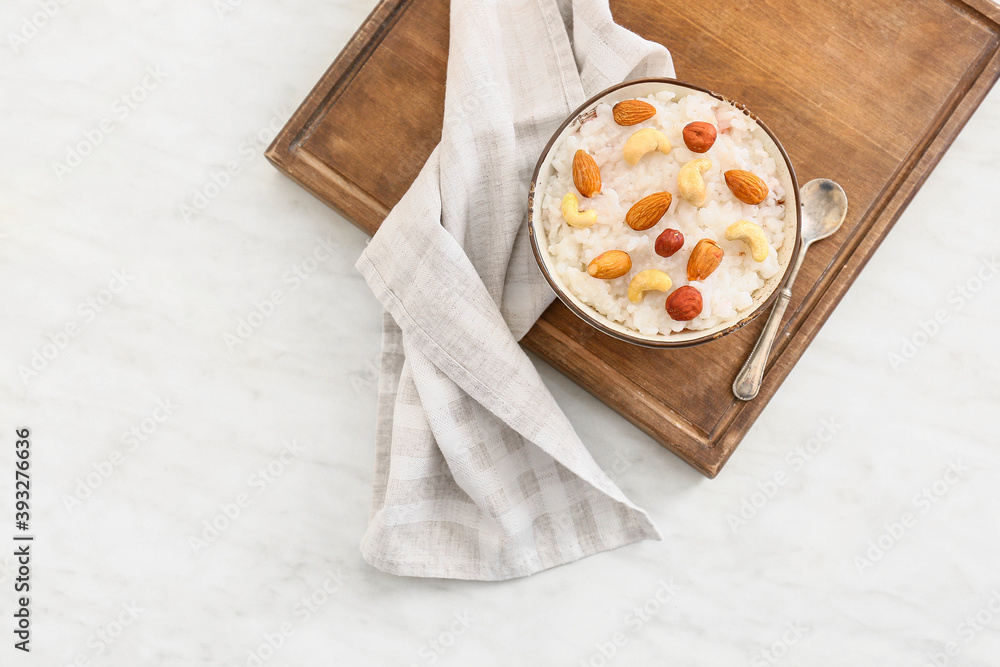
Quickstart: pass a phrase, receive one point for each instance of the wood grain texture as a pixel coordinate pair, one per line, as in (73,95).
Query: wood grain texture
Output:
(869,93)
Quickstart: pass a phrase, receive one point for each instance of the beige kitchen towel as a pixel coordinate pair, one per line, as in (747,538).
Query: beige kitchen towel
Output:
(478,473)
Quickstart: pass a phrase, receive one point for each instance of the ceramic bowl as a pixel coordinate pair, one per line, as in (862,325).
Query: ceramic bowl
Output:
(762,298)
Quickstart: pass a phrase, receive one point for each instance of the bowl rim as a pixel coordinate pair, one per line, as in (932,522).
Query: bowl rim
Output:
(588,317)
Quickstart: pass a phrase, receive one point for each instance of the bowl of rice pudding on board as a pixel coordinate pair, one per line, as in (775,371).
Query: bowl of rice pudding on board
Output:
(664,214)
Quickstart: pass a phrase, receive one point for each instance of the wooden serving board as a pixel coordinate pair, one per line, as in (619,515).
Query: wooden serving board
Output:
(869,93)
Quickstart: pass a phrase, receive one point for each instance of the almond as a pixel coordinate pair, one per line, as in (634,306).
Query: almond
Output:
(586,175)
(699,136)
(705,258)
(630,112)
(684,304)
(746,186)
(647,211)
(610,264)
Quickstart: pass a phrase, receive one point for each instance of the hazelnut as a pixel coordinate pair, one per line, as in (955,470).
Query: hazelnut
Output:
(669,242)
(684,304)
(699,136)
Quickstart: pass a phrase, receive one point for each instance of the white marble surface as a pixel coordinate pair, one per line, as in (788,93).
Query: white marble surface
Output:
(147,421)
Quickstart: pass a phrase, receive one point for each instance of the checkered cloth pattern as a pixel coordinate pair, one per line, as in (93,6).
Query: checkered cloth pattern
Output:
(478,473)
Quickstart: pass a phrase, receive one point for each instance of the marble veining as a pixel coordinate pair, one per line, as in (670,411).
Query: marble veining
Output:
(196,357)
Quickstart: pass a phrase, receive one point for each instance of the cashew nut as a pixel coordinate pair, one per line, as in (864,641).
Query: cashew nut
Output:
(647,281)
(691,183)
(645,141)
(752,235)
(574,216)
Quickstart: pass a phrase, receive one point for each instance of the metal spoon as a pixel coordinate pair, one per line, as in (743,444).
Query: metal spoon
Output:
(824,207)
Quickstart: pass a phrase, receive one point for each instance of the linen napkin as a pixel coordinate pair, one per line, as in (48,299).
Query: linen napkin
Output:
(478,473)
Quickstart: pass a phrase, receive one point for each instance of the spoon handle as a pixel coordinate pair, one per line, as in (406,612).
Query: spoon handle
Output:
(749,379)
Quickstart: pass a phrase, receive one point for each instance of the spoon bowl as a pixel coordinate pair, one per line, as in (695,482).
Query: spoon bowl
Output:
(824,206)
